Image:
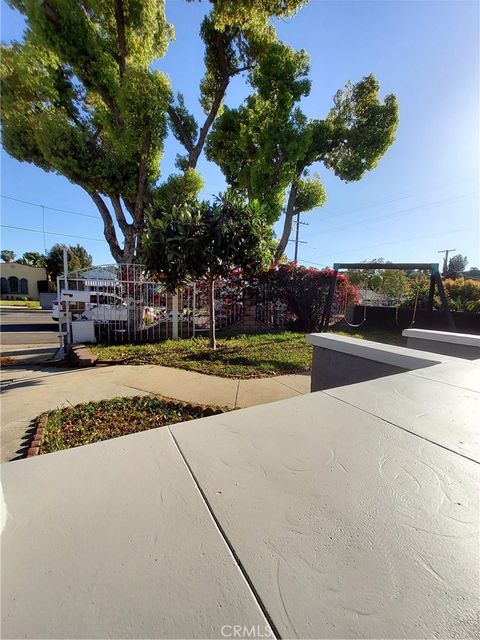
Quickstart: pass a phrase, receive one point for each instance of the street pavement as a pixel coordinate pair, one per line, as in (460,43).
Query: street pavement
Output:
(26,327)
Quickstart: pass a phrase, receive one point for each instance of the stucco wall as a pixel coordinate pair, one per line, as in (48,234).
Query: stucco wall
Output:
(31,274)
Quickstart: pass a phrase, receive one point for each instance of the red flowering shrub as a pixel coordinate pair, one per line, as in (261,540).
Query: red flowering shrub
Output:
(304,291)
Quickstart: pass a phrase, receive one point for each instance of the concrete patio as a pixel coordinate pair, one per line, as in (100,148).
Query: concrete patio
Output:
(345,513)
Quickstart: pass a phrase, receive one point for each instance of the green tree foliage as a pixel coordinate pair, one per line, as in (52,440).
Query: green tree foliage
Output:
(193,240)
(394,284)
(266,146)
(367,278)
(7,256)
(80,99)
(456,266)
(463,294)
(78,258)
(33,259)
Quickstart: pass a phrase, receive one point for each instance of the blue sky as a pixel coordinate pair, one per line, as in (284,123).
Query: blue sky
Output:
(422,197)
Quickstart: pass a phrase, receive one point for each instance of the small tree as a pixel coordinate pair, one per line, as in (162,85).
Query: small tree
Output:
(195,240)
(7,255)
(78,258)
(456,266)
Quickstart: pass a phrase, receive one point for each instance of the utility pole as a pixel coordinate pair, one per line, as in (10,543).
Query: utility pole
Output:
(445,261)
(296,237)
(297,240)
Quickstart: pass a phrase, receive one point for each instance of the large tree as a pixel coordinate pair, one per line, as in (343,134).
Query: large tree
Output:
(80,96)
(267,146)
(33,259)
(77,258)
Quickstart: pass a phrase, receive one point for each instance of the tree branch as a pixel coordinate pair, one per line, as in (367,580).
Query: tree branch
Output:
(108,228)
(212,114)
(177,123)
(122,42)
(142,179)
(119,215)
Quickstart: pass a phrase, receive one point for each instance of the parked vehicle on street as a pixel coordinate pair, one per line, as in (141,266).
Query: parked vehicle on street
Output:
(102,307)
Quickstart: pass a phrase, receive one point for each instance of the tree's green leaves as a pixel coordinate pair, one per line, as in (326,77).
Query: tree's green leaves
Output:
(196,239)
(77,256)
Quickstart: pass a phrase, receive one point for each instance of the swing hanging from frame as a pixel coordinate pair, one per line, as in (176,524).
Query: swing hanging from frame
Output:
(435,281)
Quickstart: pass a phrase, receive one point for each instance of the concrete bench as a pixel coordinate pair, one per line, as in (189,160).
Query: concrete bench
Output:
(459,345)
(340,360)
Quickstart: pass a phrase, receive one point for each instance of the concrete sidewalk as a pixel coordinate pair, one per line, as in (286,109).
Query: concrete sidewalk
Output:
(26,392)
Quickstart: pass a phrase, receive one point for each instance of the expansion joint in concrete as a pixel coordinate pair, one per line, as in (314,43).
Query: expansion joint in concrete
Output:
(231,548)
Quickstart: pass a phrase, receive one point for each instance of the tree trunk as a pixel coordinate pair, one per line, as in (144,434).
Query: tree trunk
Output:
(287,225)
(131,232)
(211,311)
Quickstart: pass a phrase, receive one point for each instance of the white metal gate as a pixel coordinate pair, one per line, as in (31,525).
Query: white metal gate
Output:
(118,303)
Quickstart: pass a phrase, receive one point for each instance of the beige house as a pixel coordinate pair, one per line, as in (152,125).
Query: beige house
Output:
(20,280)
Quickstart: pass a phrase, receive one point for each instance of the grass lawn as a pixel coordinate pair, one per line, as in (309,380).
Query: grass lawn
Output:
(28,304)
(242,356)
(95,421)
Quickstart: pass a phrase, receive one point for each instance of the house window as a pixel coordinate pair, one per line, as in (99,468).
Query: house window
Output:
(5,288)
(13,284)
(23,285)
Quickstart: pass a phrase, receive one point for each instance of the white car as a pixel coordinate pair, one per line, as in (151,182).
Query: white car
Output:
(104,307)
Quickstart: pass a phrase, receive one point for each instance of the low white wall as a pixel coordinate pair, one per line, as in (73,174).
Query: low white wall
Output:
(341,360)
(458,345)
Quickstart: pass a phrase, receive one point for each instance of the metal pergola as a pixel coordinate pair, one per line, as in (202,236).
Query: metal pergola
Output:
(435,280)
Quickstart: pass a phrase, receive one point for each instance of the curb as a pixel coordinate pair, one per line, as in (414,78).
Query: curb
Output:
(79,356)
(37,436)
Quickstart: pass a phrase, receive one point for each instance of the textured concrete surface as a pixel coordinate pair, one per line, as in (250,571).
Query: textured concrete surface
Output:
(343,521)
(449,337)
(27,392)
(30,353)
(435,411)
(114,541)
(458,373)
(351,513)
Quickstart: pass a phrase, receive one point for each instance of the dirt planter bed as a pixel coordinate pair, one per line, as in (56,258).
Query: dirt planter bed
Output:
(74,426)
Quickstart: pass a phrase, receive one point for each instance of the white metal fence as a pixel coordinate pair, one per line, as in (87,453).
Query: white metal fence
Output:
(119,303)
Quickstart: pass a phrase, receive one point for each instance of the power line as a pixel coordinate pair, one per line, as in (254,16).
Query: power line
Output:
(385,216)
(44,206)
(52,233)
(428,235)
(404,195)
